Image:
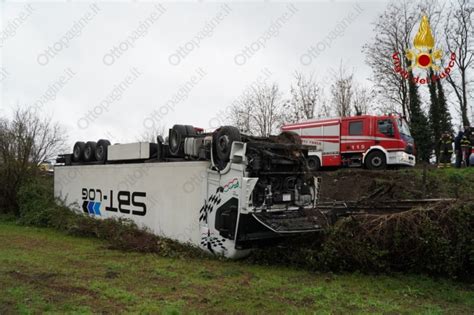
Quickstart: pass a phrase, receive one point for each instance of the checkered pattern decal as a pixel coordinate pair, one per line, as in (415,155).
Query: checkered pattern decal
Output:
(213,201)
(212,243)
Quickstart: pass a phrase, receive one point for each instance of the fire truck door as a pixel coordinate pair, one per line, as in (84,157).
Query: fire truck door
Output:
(356,135)
(385,133)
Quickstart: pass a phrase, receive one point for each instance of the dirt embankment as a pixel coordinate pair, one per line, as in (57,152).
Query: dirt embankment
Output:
(361,184)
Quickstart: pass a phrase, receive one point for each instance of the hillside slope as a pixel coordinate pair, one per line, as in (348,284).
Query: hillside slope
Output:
(42,270)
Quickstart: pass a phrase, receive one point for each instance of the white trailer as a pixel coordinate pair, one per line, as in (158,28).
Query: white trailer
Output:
(224,208)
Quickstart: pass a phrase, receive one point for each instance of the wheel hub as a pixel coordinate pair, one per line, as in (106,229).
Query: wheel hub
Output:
(224,143)
(376,161)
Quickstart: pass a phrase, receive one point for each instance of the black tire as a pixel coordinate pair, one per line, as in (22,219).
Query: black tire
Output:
(290,137)
(222,140)
(159,151)
(313,163)
(376,160)
(78,151)
(101,150)
(176,140)
(190,131)
(89,151)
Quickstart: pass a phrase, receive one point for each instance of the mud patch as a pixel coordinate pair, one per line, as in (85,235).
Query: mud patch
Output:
(32,278)
(49,280)
(361,184)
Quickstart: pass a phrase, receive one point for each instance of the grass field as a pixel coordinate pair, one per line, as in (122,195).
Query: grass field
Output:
(42,270)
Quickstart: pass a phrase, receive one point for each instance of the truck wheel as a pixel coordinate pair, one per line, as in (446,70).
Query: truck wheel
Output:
(176,140)
(190,131)
(159,151)
(101,150)
(78,151)
(313,163)
(89,151)
(376,161)
(222,140)
(290,137)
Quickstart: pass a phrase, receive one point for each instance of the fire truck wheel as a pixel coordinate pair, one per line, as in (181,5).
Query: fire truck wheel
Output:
(290,137)
(176,139)
(78,151)
(376,161)
(313,163)
(222,140)
(89,151)
(101,150)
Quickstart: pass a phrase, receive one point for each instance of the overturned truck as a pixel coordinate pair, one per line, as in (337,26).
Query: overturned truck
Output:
(223,191)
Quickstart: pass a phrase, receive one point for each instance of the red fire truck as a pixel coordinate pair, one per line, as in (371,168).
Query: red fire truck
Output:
(366,140)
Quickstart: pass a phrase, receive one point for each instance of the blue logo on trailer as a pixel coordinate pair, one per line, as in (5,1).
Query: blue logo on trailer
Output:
(91,207)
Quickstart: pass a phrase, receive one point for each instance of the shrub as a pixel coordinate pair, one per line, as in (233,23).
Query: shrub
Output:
(436,241)
(26,140)
(439,240)
(36,203)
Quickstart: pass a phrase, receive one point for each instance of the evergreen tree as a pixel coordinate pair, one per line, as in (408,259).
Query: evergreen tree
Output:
(419,124)
(440,118)
(445,116)
(434,116)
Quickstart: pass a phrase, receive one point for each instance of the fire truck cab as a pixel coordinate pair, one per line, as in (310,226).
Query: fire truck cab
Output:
(371,141)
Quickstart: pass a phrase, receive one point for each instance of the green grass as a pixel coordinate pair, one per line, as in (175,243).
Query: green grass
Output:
(42,270)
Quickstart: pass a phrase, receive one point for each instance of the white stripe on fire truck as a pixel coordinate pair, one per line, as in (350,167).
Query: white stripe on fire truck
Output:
(311,124)
(362,138)
(354,141)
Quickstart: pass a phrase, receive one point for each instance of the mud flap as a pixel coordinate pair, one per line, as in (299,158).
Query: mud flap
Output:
(294,221)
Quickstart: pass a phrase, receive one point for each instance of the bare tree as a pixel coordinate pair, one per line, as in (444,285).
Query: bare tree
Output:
(241,115)
(459,30)
(151,134)
(267,114)
(393,30)
(26,140)
(342,91)
(29,138)
(260,112)
(325,110)
(306,95)
(362,99)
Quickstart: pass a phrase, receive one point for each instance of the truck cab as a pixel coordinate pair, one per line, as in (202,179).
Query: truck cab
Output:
(376,141)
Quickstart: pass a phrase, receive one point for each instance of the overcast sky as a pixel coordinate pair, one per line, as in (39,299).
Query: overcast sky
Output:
(113,69)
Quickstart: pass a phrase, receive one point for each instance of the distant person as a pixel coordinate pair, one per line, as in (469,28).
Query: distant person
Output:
(446,150)
(457,148)
(466,145)
(471,146)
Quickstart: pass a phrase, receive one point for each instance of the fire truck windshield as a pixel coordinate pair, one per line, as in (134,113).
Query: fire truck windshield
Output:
(403,127)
